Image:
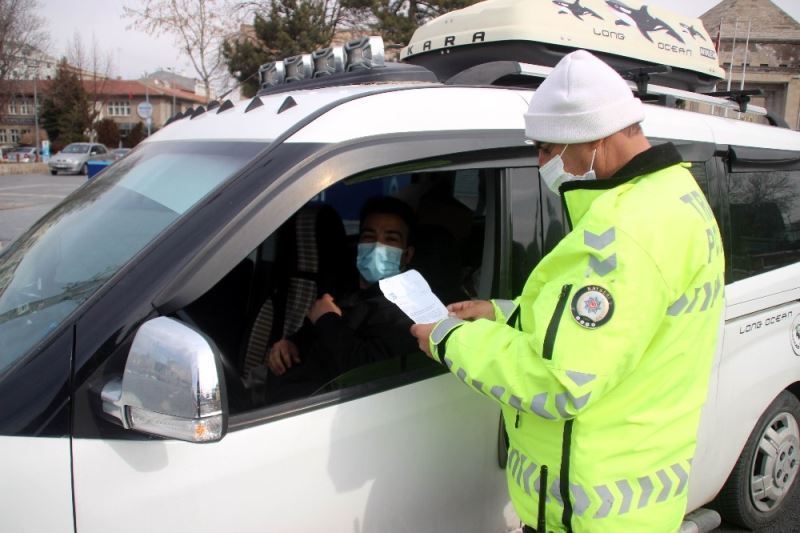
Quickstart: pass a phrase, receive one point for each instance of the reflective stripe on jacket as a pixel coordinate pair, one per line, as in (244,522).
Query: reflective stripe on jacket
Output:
(601,365)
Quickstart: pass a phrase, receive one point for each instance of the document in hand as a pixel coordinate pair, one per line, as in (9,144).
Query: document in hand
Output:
(411,293)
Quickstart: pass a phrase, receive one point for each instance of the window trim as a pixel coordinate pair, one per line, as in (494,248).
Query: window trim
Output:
(413,152)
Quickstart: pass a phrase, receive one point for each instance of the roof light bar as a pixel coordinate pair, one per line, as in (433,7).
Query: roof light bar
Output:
(365,53)
(359,54)
(328,61)
(272,74)
(299,68)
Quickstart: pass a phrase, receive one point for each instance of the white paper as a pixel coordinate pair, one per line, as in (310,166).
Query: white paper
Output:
(411,293)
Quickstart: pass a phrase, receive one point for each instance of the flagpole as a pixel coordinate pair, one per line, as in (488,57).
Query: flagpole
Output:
(730,65)
(746,46)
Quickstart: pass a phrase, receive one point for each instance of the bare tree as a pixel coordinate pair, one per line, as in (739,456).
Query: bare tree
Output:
(22,33)
(199,27)
(94,68)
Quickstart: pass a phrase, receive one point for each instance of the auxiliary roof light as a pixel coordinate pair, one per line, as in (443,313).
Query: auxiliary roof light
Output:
(328,61)
(272,74)
(364,53)
(300,67)
(359,54)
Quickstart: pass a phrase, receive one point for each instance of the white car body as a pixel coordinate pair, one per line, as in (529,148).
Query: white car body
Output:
(421,456)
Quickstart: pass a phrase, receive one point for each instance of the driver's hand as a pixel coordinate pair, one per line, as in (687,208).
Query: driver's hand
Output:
(471,310)
(282,356)
(323,306)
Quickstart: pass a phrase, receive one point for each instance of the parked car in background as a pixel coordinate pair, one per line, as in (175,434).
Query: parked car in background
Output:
(119,153)
(74,156)
(21,154)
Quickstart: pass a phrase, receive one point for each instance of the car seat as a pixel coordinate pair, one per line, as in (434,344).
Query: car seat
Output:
(312,258)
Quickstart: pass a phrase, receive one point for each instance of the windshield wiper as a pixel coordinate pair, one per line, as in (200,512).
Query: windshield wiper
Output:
(71,291)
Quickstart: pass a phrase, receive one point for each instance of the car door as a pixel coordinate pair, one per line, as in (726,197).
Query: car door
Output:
(408,451)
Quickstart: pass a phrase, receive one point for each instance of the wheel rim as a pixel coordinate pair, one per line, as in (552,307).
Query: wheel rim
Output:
(775,462)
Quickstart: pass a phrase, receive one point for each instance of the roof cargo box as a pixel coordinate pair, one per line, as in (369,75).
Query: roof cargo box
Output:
(627,34)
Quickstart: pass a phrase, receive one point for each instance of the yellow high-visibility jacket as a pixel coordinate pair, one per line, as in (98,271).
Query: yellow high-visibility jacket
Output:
(602,364)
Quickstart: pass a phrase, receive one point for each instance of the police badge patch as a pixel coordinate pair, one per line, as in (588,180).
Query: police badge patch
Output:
(592,306)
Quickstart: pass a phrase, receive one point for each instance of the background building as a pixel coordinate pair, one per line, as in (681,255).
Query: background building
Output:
(768,57)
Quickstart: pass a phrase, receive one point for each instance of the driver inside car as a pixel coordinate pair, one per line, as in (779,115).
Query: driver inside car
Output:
(361,327)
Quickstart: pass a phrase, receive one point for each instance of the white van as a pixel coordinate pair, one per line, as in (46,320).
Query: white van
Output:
(136,315)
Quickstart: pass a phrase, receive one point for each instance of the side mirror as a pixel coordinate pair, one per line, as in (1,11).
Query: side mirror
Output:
(172,386)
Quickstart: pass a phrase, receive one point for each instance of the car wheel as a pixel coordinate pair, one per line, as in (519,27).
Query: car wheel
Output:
(766,473)
(53,172)
(85,169)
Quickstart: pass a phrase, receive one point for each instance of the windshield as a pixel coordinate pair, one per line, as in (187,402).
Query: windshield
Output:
(69,253)
(76,148)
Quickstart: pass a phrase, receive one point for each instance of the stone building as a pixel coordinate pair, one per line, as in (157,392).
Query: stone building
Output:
(768,60)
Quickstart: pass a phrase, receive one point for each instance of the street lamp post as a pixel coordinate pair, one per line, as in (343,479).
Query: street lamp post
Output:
(36,113)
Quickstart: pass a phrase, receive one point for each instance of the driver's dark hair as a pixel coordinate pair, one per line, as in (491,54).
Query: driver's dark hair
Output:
(388,205)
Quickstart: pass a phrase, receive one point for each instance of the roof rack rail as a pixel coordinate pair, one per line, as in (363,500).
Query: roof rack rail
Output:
(741,97)
(514,72)
(641,76)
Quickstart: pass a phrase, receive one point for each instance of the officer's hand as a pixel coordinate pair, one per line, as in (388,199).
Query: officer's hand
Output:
(472,309)
(423,332)
(323,306)
(282,356)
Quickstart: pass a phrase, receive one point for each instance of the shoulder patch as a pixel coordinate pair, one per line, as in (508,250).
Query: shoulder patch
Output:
(592,306)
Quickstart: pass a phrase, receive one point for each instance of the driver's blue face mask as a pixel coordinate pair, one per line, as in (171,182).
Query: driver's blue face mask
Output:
(377,261)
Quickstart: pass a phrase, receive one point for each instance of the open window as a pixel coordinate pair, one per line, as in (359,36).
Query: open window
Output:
(267,295)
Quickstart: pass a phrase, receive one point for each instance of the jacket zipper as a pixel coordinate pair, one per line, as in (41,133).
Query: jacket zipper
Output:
(541,520)
(555,320)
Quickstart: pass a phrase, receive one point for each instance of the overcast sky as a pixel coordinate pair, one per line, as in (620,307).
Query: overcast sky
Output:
(136,53)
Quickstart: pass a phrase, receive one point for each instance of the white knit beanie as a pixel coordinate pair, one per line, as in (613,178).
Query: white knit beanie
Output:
(582,100)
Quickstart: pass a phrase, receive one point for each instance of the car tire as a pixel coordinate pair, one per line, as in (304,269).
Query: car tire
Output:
(53,172)
(85,169)
(765,475)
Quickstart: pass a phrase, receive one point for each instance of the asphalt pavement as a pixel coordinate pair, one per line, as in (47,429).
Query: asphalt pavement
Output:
(25,198)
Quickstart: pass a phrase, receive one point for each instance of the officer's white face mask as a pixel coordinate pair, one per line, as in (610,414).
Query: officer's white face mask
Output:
(554,175)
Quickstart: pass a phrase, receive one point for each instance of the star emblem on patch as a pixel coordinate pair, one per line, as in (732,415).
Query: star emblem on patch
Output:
(592,306)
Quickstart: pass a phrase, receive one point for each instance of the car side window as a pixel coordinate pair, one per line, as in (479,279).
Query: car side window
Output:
(266,298)
(765,221)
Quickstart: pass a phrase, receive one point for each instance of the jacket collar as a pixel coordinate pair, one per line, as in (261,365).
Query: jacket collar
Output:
(577,196)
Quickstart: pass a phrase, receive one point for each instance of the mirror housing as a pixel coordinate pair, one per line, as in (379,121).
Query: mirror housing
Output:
(173,385)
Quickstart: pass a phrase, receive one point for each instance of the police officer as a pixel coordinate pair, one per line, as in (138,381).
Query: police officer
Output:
(601,365)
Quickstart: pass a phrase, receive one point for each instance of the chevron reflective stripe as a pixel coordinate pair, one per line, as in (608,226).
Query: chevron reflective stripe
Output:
(679,305)
(580,499)
(709,294)
(580,401)
(526,476)
(537,406)
(521,470)
(443,328)
(694,300)
(555,491)
(599,241)
(606,501)
(506,307)
(561,405)
(603,267)
(707,289)
(667,486)
(498,391)
(683,476)
(627,495)
(647,489)
(579,378)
